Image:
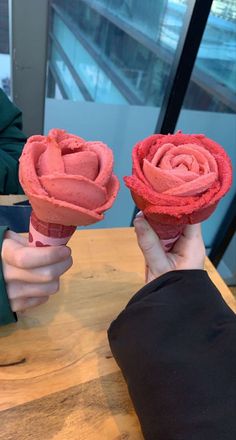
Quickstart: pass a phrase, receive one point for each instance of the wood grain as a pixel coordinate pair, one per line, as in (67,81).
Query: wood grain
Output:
(58,379)
(219,282)
(98,409)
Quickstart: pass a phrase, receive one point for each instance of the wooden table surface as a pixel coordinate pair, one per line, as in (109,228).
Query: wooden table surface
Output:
(58,379)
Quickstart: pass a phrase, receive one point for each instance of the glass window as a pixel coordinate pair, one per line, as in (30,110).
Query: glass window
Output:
(4,48)
(213,83)
(63,72)
(125,49)
(121,50)
(97,83)
(211,95)
(144,16)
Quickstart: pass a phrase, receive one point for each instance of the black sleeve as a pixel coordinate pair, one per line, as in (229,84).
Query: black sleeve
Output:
(175,344)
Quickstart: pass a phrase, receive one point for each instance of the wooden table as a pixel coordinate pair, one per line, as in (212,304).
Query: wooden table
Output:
(58,379)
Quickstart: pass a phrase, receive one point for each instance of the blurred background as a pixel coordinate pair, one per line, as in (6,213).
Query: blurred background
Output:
(106,70)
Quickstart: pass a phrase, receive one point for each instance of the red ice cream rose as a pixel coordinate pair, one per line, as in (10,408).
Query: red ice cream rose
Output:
(178,179)
(68,181)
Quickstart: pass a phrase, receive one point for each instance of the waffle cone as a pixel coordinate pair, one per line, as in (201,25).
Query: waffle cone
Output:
(168,233)
(48,234)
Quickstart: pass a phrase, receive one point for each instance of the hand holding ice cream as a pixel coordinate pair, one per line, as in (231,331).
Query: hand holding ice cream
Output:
(69,182)
(31,275)
(178,180)
(188,252)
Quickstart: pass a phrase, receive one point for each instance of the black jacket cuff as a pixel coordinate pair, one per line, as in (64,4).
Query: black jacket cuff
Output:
(175,343)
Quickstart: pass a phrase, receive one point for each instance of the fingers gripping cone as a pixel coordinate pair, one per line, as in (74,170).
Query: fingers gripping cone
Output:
(168,234)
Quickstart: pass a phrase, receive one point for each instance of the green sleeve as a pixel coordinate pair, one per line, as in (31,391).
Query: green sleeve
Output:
(12,140)
(6,314)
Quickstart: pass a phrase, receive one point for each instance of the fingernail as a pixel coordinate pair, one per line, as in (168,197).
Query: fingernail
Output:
(139,225)
(139,214)
(65,251)
(137,221)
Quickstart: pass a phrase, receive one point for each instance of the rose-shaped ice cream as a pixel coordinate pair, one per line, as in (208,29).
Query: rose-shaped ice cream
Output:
(68,181)
(178,179)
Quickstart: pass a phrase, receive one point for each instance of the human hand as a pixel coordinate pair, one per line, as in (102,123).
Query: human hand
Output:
(31,274)
(187,253)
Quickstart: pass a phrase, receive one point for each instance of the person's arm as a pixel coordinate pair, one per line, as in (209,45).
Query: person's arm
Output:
(175,343)
(28,275)
(12,140)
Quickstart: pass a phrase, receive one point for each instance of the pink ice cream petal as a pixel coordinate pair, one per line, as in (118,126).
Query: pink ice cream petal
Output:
(36,138)
(209,164)
(186,176)
(200,153)
(137,168)
(198,159)
(105,158)
(149,196)
(82,163)
(166,162)
(58,134)
(56,211)
(50,161)
(181,157)
(71,145)
(112,190)
(161,152)
(76,190)
(191,216)
(62,135)
(195,157)
(27,171)
(187,162)
(148,200)
(161,180)
(195,187)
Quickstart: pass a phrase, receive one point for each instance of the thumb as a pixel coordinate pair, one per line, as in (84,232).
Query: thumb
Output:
(190,247)
(190,240)
(151,247)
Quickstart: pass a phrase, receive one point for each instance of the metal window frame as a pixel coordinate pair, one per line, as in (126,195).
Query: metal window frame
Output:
(225,234)
(193,29)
